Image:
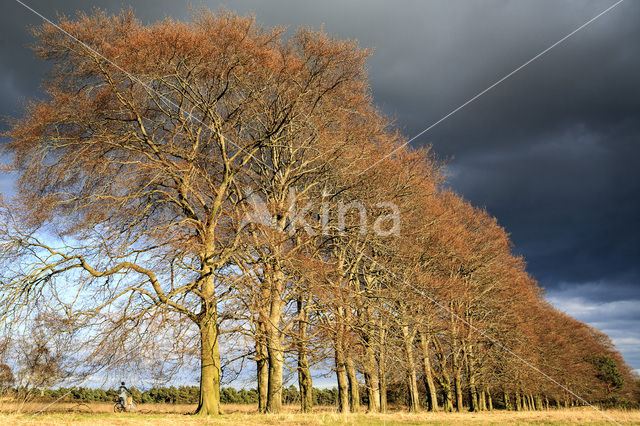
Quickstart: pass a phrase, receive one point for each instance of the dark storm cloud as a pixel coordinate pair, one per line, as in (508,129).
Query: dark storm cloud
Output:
(552,151)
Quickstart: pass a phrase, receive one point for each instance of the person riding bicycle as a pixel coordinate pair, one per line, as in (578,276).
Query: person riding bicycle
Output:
(123,392)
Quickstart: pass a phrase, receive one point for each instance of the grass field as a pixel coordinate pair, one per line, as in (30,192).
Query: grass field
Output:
(65,413)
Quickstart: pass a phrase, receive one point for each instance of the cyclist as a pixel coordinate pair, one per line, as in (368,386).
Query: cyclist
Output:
(123,392)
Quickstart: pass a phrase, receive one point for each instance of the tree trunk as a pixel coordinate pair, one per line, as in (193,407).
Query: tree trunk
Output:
(445,380)
(489,400)
(458,385)
(447,400)
(414,401)
(446,395)
(372,379)
(209,401)
(276,355)
(341,373)
(304,375)
(262,365)
(412,380)
(432,398)
(518,402)
(306,389)
(482,400)
(531,402)
(354,387)
(507,403)
(473,392)
(382,370)
(276,363)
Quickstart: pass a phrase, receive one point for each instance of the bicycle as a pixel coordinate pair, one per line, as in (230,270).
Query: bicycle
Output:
(130,408)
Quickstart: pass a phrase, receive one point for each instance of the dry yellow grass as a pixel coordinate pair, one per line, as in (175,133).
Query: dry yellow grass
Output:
(66,413)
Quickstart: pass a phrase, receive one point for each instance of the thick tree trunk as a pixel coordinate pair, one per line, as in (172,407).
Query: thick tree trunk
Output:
(412,380)
(354,387)
(276,363)
(507,403)
(539,402)
(447,402)
(414,401)
(304,375)
(530,403)
(262,365)
(209,401)
(518,402)
(482,400)
(382,392)
(276,356)
(341,373)
(473,392)
(457,381)
(372,380)
(306,386)
(445,379)
(489,400)
(432,399)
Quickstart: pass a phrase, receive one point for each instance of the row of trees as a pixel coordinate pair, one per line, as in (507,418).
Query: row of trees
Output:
(214,190)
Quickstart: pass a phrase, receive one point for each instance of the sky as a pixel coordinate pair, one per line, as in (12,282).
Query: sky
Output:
(552,151)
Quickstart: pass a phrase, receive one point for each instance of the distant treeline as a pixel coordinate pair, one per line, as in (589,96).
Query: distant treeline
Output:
(178,395)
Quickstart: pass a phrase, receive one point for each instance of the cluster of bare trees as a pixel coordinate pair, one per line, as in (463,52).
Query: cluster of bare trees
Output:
(214,189)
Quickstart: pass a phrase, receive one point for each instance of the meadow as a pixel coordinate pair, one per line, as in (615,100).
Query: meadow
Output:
(68,413)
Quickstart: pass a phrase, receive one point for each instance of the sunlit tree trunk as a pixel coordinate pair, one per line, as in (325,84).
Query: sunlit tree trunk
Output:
(444,380)
(262,365)
(210,366)
(507,402)
(382,369)
(432,398)
(447,400)
(473,392)
(412,380)
(304,374)
(457,381)
(371,378)
(274,347)
(354,387)
(482,400)
(209,401)
(341,373)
